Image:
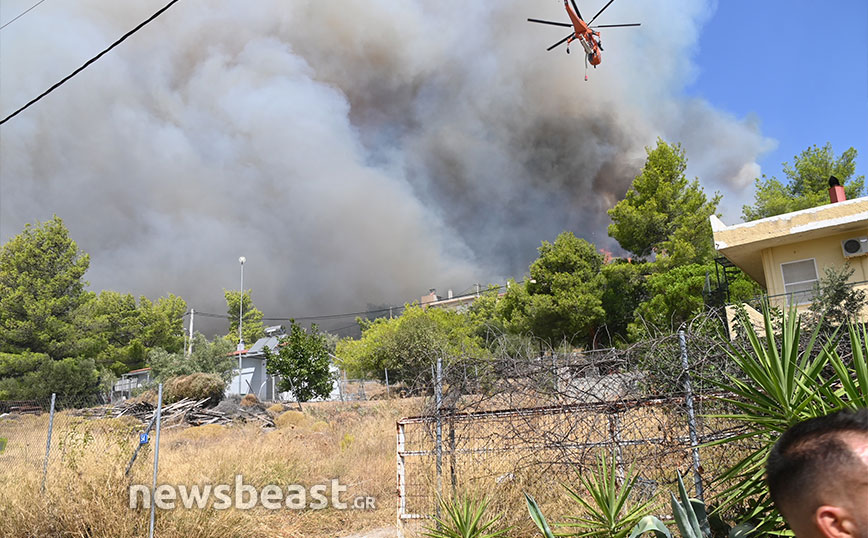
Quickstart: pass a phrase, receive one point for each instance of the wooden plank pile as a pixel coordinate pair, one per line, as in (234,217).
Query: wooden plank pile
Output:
(195,413)
(189,411)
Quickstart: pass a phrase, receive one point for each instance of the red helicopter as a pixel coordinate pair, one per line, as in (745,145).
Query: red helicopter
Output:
(584,33)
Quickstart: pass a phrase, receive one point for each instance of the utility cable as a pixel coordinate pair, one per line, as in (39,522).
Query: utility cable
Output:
(87,63)
(21,14)
(348,314)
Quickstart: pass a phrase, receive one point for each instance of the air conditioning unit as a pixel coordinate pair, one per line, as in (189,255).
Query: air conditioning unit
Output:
(855,246)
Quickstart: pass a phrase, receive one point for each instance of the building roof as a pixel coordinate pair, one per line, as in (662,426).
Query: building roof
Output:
(742,244)
(267,341)
(139,371)
(257,347)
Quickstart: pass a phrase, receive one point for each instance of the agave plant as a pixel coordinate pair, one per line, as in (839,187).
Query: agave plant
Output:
(537,516)
(608,513)
(690,517)
(464,518)
(783,385)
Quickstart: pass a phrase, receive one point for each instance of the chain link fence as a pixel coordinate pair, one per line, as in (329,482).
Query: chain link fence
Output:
(349,390)
(538,417)
(39,438)
(47,445)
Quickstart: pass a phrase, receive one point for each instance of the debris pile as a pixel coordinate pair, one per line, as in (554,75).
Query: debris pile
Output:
(189,411)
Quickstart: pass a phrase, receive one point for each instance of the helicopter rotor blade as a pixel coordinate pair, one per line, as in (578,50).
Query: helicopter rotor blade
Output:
(579,13)
(598,13)
(616,25)
(540,21)
(560,42)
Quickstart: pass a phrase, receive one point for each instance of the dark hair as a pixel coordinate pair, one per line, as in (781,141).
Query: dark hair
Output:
(811,452)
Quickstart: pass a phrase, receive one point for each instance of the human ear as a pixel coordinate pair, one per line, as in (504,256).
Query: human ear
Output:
(834,522)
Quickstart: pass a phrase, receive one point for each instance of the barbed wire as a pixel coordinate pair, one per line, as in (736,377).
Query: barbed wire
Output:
(532,414)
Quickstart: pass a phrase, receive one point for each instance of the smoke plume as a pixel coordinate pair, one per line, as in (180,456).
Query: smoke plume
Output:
(355,152)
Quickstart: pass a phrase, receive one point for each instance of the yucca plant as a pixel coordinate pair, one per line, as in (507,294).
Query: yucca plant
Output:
(783,385)
(608,513)
(690,517)
(464,518)
(537,516)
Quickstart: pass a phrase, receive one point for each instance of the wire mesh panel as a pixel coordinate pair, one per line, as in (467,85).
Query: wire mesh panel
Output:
(529,423)
(23,431)
(483,452)
(80,435)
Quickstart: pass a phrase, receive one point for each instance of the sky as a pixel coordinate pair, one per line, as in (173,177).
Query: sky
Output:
(359,153)
(799,68)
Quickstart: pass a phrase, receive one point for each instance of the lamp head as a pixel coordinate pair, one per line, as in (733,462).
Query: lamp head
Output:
(242,259)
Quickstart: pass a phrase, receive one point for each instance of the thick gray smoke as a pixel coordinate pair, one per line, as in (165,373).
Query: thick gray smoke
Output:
(355,152)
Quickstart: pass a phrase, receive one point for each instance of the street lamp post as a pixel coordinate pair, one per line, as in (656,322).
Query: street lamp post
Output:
(241,260)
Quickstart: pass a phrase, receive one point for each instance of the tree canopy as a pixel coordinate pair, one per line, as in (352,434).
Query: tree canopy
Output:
(251,327)
(41,288)
(663,212)
(562,299)
(26,375)
(57,337)
(302,362)
(807,183)
(210,357)
(118,331)
(408,345)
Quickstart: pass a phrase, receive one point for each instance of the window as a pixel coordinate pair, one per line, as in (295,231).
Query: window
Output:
(800,279)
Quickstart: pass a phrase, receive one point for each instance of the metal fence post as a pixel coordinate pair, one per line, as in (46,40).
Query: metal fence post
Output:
(48,440)
(386,371)
(691,418)
(438,447)
(402,484)
(615,433)
(452,464)
(156,456)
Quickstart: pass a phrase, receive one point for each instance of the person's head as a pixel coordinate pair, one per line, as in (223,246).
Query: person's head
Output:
(817,474)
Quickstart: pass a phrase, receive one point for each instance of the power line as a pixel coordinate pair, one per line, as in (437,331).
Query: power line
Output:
(348,314)
(21,14)
(87,63)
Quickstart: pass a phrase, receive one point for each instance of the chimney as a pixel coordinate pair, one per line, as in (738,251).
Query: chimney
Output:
(836,191)
(431,297)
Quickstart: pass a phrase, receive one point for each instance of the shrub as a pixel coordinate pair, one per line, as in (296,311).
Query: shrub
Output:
(194,386)
(275,409)
(291,418)
(465,518)
(320,426)
(205,431)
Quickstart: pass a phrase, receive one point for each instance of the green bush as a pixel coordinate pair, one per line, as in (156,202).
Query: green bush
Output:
(196,386)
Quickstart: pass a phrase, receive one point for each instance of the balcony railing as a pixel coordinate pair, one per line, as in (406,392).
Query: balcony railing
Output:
(126,385)
(800,299)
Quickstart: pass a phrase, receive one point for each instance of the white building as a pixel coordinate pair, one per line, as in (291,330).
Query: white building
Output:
(251,376)
(123,387)
(254,378)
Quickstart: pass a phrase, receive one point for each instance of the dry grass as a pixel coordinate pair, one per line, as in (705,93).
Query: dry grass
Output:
(249,400)
(292,419)
(276,409)
(354,442)
(87,492)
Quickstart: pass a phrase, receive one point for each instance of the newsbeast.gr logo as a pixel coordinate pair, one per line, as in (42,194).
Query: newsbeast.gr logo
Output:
(245,496)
